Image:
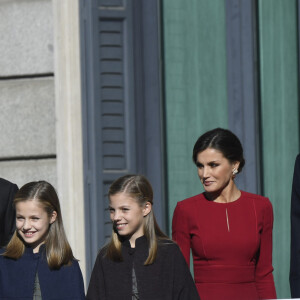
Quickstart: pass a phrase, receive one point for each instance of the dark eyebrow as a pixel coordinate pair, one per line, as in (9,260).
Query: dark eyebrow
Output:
(198,164)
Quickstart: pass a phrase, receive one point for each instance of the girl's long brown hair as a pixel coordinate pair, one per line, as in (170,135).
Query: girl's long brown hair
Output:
(138,188)
(58,250)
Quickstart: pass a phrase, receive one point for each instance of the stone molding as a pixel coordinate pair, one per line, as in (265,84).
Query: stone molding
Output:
(69,123)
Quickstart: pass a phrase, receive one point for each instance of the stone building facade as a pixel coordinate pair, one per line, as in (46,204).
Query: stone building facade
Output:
(40,106)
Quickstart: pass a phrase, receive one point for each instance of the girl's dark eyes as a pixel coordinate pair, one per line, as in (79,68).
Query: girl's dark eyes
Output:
(20,218)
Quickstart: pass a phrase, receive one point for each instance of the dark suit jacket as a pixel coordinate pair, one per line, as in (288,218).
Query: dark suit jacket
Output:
(7,212)
(295,232)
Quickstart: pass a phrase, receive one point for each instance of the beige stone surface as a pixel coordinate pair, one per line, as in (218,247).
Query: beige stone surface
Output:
(69,123)
(23,171)
(26,44)
(27,117)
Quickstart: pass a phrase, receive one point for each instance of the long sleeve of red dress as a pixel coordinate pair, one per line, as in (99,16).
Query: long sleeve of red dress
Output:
(263,269)
(231,245)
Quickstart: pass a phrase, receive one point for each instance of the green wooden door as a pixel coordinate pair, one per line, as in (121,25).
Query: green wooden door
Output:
(279,119)
(195,86)
(194,41)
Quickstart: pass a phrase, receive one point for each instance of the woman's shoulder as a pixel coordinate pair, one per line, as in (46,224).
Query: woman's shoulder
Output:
(191,200)
(186,209)
(258,200)
(255,197)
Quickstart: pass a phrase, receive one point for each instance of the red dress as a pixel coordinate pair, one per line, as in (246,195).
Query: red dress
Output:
(231,245)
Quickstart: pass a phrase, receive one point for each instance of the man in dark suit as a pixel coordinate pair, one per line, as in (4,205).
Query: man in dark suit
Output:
(295,232)
(7,211)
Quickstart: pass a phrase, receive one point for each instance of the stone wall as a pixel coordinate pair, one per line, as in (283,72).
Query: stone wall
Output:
(40,116)
(27,98)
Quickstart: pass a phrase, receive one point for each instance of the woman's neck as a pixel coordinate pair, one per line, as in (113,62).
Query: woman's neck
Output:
(229,194)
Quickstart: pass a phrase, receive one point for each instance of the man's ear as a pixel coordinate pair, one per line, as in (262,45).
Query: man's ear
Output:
(147,209)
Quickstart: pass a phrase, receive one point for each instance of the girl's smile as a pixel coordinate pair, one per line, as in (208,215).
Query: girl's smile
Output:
(29,234)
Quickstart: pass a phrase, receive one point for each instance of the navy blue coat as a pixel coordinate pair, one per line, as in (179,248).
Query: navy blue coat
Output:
(17,278)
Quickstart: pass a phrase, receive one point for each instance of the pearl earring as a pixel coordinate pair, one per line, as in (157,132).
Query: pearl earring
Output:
(234,171)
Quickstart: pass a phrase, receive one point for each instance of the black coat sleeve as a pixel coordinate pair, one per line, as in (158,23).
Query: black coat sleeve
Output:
(184,285)
(96,289)
(7,194)
(295,232)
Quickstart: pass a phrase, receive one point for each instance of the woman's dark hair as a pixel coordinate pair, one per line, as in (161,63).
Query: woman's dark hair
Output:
(224,141)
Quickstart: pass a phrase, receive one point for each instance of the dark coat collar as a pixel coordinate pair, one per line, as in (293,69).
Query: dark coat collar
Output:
(139,242)
(29,250)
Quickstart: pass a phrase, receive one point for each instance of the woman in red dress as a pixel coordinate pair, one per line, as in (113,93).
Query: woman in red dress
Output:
(228,230)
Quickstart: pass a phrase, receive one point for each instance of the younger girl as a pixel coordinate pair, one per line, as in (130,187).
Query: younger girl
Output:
(139,262)
(38,262)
